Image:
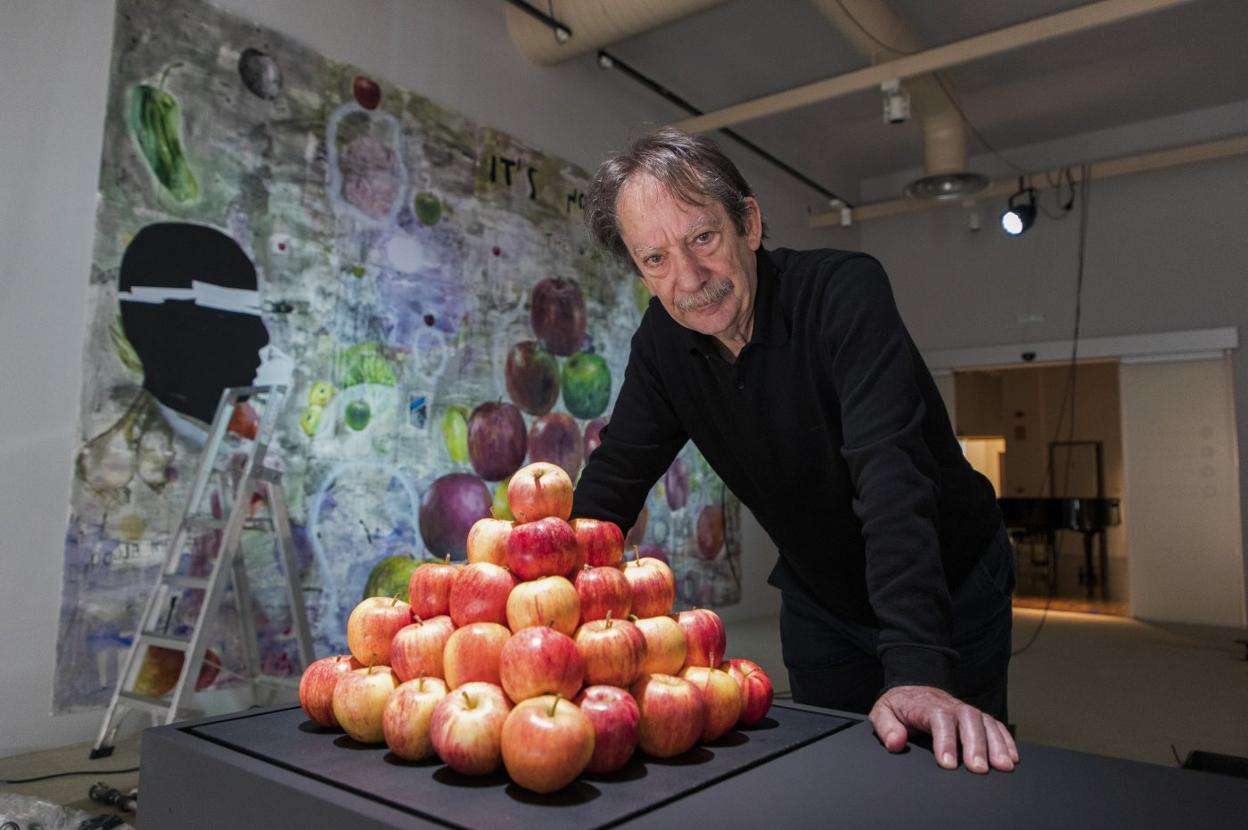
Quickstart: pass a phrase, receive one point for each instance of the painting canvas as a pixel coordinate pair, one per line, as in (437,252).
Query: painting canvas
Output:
(423,284)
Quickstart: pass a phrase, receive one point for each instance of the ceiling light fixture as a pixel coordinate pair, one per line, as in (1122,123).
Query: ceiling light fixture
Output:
(1017,218)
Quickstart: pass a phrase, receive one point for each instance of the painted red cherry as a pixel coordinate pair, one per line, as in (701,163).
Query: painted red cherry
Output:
(366,92)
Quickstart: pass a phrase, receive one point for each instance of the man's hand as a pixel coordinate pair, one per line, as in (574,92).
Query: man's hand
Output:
(948,720)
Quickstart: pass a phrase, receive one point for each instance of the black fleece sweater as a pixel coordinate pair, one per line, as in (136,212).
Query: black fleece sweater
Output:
(830,429)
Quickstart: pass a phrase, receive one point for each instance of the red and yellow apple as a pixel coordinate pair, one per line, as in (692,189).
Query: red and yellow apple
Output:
(603,591)
(755,686)
(613,650)
(722,697)
(547,741)
(665,644)
(617,724)
(548,600)
(372,625)
(480,594)
(416,649)
(429,589)
(487,541)
(545,547)
(598,542)
(316,687)
(653,586)
(705,635)
(408,716)
(472,653)
(467,728)
(672,714)
(540,661)
(360,701)
(540,490)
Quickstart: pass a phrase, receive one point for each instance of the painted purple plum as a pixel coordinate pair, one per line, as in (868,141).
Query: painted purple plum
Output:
(557,312)
(556,438)
(710,531)
(532,377)
(653,551)
(496,440)
(676,485)
(453,504)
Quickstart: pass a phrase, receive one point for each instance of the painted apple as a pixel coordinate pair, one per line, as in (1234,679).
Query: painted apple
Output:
(653,586)
(455,433)
(320,393)
(449,510)
(367,93)
(487,541)
(617,726)
(316,687)
(653,551)
(599,542)
(540,490)
(705,635)
(710,531)
(360,702)
(555,437)
(472,653)
(613,650)
(722,697)
(390,577)
(672,714)
(532,377)
(557,312)
(676,485)
(429,588)
(603,591)
(467,728)
(480,594)
(427,207)
(593,436)
(665,644)
(260,74)
(540,661)
(546,547)
(416,650)
(755,686)
(158,673)
(501,509)
(547,742)
(357,414)
(497,440)
(586,384)
(372,625)
(408,716)
(310,420)
(637,533)
(549,600)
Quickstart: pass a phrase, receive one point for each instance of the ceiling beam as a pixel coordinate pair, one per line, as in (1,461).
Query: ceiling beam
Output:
(1090,16)
(1041,181)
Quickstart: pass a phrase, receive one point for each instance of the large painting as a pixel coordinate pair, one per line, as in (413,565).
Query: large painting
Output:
(423,284)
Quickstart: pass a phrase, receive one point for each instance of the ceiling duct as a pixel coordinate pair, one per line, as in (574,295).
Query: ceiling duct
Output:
(593,23)
(876,31)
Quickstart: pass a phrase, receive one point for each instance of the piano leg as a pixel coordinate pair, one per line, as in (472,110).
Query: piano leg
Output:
(1091,577)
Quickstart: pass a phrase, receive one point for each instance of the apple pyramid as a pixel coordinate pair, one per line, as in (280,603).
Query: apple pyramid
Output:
(546,653)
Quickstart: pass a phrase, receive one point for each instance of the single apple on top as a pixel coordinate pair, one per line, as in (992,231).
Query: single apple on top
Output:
(704,632)
(406,720)
(487,541)
(653,586)
(672,714)
(416,649)
(472,653)
(480,594)
(429,589)
(755,686)
(360,700)
(539,490)
(467,728)
(603,590)
(316,687)
(547,600)
(545,547)
(617,724)
(722,697)
(613,651)
(540,661)
(547,741)
(598,542)
(372,625)
(665,644)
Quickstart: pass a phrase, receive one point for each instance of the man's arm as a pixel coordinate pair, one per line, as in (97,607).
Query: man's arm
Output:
(639,442)
(874,372)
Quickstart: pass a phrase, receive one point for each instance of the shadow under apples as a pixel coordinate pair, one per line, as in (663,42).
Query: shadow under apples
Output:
(576,793)
(697,755)
(634,770)
(729,739)
(347,742)
(394,760)
(314,728)
(761,726)
(451,778)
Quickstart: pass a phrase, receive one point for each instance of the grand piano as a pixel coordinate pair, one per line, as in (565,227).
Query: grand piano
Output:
(1041,518)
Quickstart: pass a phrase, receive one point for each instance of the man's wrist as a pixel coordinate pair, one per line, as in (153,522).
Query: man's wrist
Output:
(918,666)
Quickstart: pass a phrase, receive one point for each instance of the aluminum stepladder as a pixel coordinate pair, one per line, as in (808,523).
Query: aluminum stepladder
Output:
(234,477)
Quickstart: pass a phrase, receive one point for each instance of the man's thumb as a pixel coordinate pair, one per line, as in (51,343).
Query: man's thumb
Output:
(889,729)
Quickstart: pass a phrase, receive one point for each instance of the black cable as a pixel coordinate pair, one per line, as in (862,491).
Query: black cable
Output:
(67,774)
(868,33)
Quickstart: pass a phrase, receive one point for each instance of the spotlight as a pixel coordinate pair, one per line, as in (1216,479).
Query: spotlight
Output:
(1017,218)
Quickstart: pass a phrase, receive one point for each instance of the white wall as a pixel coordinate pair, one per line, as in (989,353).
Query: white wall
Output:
(1166,251)
(54,63)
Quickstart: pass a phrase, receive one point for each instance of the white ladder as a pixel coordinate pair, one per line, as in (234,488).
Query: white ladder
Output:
(238,482)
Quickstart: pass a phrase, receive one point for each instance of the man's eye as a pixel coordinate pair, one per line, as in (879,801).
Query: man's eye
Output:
(702,238)
(653,259)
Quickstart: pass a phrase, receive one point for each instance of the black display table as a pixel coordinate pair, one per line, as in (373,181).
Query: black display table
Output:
(803,767)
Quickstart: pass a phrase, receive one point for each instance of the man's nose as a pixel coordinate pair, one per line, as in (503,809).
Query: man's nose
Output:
(690,274)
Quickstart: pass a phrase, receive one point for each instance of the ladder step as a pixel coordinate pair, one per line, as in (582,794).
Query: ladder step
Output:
(198,583)
(169,641)
(144,702)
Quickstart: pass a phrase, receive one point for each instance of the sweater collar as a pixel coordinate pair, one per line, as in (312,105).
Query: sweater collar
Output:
(770,325)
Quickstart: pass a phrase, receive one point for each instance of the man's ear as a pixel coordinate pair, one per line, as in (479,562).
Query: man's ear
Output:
(753,223)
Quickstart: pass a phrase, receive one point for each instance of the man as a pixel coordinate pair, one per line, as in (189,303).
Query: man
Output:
(795,377)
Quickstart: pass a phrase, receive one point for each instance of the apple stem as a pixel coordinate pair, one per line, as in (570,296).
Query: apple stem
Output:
(633,618)
(554,704)
(420,682)
(609,620)
(447,560)
(467,699)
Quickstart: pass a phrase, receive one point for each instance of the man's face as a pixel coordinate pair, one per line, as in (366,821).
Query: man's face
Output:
(692,258)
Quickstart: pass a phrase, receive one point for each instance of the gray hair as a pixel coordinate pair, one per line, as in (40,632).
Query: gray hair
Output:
(691,167)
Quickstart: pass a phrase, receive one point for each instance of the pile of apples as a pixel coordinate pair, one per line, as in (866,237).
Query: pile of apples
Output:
(546,653)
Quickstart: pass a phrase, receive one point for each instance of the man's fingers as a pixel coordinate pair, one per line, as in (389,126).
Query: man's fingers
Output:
(1011,747)
(998,752)
(974,741)
(945,740)
(890,730)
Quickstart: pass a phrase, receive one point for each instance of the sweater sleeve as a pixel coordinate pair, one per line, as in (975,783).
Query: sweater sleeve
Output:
(874,372)
(639,443)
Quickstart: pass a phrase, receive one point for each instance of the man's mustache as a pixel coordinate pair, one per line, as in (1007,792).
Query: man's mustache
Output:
(708,295)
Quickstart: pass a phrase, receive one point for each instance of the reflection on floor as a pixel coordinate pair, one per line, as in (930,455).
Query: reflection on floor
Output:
(1114,607)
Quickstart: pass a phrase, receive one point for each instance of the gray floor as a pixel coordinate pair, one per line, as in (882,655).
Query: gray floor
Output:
(1108,685)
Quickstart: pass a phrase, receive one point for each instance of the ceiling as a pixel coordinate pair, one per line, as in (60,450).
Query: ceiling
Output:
(1166,63)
